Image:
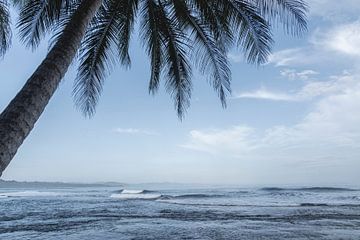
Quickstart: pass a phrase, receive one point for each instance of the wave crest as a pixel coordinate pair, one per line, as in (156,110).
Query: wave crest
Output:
(127,194)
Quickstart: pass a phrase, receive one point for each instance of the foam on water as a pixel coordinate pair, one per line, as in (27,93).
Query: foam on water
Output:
(127,191)
(152,195)
(29,194)
(127,194)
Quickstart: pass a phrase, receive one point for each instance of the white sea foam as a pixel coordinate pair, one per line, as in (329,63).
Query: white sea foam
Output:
(29,194)
(139,196)
(136,194)
(127,191)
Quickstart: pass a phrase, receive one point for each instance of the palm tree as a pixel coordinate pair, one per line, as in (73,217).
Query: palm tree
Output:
(176,34)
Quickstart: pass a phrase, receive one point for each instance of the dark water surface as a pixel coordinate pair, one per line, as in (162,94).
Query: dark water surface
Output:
(110,213)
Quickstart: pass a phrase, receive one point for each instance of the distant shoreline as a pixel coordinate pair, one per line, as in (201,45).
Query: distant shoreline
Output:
(167,185)
(36,184)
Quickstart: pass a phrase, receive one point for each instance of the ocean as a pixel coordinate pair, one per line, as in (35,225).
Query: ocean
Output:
(210,213)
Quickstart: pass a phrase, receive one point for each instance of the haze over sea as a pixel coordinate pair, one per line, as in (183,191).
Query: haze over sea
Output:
(112,211)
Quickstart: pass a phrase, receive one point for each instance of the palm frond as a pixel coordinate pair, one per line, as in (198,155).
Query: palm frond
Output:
(215,18)
(291,13)
(172,32)
(254,35)
(65,16)
(128,11)
(176,44)
(210,58)
(18,3)
(5,30)
(152,38)
(97,56)
(37,17)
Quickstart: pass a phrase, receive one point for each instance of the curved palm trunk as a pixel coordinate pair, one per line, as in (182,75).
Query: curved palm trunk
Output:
(20,116)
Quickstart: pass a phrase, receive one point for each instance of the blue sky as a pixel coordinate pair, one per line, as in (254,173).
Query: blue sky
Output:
(292,121)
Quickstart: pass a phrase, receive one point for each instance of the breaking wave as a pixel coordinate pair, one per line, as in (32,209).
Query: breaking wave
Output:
(132,191)
(127,194)
(153,195)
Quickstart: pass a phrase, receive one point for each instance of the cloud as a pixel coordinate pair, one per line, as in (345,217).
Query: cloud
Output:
(334,43)
(293,74)
(330,131)
(335,85)
(135,131)
(265,94)
(339,43)
(288,57)
(344,39)
(309,55)
(234,139)
(335,10)
(311,90)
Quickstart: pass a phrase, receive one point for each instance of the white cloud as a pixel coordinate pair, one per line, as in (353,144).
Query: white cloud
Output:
(311,90)
(234,139)
(293,74)
(265,94)
(135,131)
(330,131)
(344,39)
(339,43)
(310,55)
(336,85)
(334,10)
(335,43)
(288,57)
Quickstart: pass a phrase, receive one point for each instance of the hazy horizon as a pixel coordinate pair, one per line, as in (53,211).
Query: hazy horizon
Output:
(171,185)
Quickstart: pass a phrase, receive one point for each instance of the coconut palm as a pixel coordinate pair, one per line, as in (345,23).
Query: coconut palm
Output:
(177,35)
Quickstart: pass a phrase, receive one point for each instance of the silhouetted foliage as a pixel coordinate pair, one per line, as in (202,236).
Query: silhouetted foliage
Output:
(175,33)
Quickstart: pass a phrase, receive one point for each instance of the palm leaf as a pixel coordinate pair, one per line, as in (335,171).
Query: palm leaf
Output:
(254,35)
(210,57)
(65,16)
(37,17)
(151,35)
(175,44)
(97,56)
(215,18)
(172,30)
(291,13)
(5,30)
(128,10)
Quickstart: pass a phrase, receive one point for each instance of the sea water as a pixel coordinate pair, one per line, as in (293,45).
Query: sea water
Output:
(211,213)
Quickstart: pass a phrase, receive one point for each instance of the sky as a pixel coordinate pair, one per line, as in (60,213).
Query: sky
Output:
(292,121)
